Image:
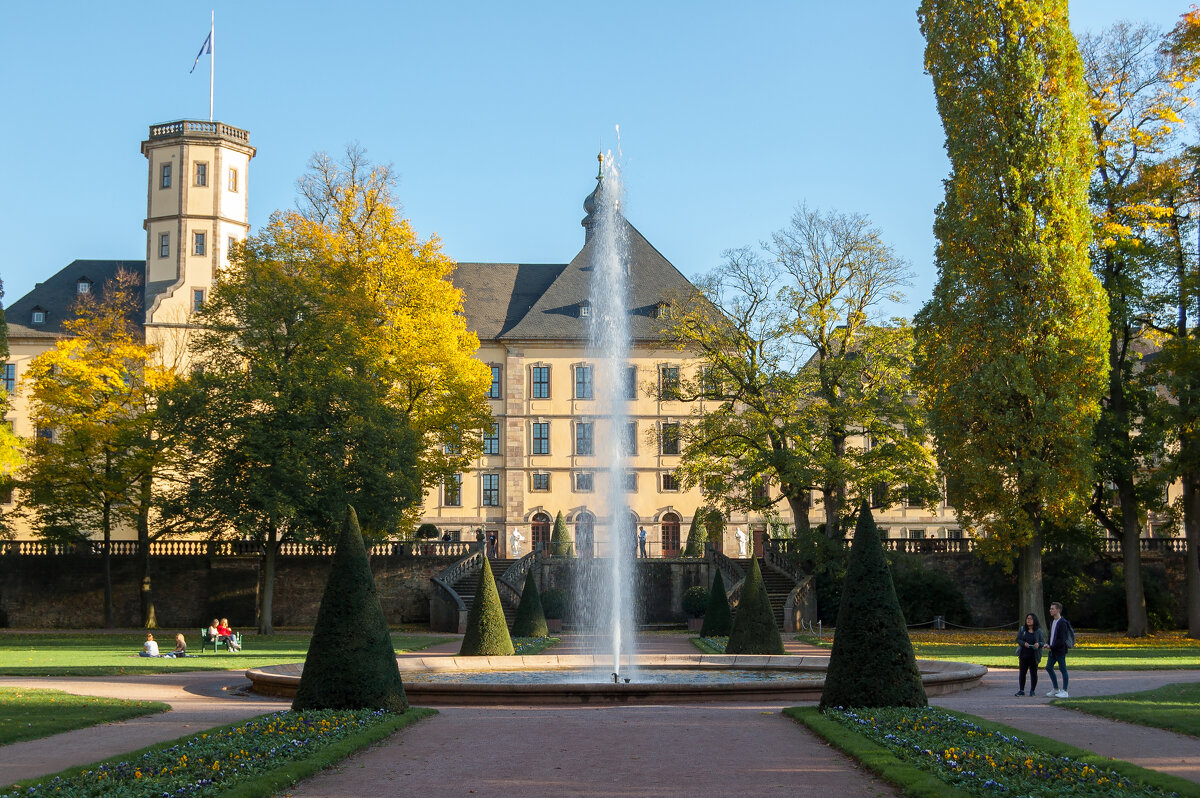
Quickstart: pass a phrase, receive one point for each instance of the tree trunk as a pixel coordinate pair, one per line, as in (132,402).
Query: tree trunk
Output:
(267,588)
(1029,578)
(106,523)
(799,503)
(149,620)
(834,498)
(1191,530)
(1131,549)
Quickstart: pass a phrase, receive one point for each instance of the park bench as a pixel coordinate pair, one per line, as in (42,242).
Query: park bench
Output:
(216,643)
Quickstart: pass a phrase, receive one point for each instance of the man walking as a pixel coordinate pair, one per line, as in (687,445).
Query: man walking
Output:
(1061,638)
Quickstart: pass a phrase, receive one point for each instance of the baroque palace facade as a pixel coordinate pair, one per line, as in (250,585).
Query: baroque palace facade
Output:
(540,455)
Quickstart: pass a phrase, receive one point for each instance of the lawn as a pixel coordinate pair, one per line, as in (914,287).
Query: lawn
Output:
(116,654)
(1093,650)
(31,714)
(1174,707)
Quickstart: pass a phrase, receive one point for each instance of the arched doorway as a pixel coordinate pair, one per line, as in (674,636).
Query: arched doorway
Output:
(669,525)
(540,528)
(585,534)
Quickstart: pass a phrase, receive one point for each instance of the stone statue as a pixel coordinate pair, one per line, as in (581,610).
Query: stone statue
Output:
(740,536)
(517,540)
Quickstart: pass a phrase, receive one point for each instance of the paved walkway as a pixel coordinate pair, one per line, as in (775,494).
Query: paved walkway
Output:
(693,751)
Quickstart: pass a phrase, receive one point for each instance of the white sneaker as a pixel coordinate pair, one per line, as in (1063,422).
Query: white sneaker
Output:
(1052,692)
(1061,694)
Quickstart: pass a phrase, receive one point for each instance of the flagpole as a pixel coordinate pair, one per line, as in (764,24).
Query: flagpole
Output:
(212,60)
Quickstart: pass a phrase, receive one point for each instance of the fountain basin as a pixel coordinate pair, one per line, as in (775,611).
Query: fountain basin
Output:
(802,679)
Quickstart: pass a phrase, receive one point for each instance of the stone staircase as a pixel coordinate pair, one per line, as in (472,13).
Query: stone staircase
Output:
(465,588)
(779,587)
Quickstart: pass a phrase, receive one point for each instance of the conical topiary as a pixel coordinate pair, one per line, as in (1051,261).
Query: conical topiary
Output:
(754,630)
(560,538)
(487,630)
(718,618)
(351,663)
(872,662)
(530,620)
(714,521)
(697,534)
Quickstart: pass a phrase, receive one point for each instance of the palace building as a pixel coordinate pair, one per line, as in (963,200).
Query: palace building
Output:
(540,455)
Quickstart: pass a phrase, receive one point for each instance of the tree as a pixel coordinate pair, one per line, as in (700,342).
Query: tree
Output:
(754,630)
(718,618)
(796,365)
(288,416)
(697,534)
(872,663)
(1138,88)
(1012,347)
(10,443)
(530,620)
(92,397)
(351,663)
(487,630)
(560,539)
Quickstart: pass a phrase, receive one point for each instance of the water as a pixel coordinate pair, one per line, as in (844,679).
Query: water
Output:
(604,588)
(696,676)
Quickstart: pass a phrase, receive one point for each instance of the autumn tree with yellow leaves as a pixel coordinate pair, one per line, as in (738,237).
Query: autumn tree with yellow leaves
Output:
(10,444)
(1012,346)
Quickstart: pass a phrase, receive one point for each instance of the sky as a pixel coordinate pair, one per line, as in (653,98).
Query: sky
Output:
(730,115)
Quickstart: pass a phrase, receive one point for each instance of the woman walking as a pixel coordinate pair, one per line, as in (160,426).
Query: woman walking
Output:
(1029,652)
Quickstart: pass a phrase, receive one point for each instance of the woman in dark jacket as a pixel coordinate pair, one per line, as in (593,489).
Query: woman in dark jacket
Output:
(1029,652)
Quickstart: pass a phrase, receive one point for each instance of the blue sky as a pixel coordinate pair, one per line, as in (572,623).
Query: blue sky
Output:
(492,115)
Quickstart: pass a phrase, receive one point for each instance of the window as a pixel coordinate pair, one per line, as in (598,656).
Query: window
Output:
(670,437)
(83,286)
(198,243)
(630,482)
(233,180)
(916,534)
(540,482)
(452,491)
(164,180)
(541,437)
(10,377)
(229,242)
(584,483)
(164,245)
(202,174)
(6,490)
(879,495)
(38,316)
(761,491)
(713,387)
(629,440)
(494,389)
(491,490)
(45,432)
(583,438)
(197,298)
(583,382)
(585,309)
(669,382)
(491,440)
(912,497)
(541,382)
(670,483)
(631,382)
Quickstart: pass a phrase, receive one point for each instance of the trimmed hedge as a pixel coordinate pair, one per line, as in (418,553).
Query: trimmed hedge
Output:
(754,630)
(695,601)
(351,663)
(531,618)
(872,663)
(561,544)
(718,618)
(697,534)
(427,532)
(487,630)
(554,603)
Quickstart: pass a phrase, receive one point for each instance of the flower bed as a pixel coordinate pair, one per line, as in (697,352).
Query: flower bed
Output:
(213,762)
(980,761)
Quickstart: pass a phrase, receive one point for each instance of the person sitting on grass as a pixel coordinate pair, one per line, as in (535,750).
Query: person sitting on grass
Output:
(149,648)
(180,649)
(225,635)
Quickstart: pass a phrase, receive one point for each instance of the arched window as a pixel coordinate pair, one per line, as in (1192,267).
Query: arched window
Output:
(670,534)
(540,527)
(585,534)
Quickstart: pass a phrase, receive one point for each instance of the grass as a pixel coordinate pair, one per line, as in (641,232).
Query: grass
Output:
(922,745)
(254,758)
(27,714)
(1097,651)
(531,646)
(116,654)
(1174,707)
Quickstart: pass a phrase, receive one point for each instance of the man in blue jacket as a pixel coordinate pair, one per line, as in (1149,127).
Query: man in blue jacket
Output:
(1060,639)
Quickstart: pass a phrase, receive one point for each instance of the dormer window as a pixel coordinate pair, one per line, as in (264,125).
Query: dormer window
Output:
(38,316)
(585,309)
(662,310)
(83,286)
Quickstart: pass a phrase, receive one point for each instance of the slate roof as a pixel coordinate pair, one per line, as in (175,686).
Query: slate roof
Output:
(56,296)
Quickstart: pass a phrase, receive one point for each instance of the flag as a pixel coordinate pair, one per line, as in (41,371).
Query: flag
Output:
(205,49)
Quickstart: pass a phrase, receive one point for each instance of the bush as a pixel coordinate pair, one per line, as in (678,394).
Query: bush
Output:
(718,618)
(561,544)
(1106,605)
(754,630)
(487,630)
(695,601)
(351,663)
(427,532)
(697,534)
(924,592)
(714,522)
(554,603)
(872,663)
(531,617)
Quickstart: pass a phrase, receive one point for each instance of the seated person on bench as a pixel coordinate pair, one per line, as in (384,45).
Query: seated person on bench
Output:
(225,635)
